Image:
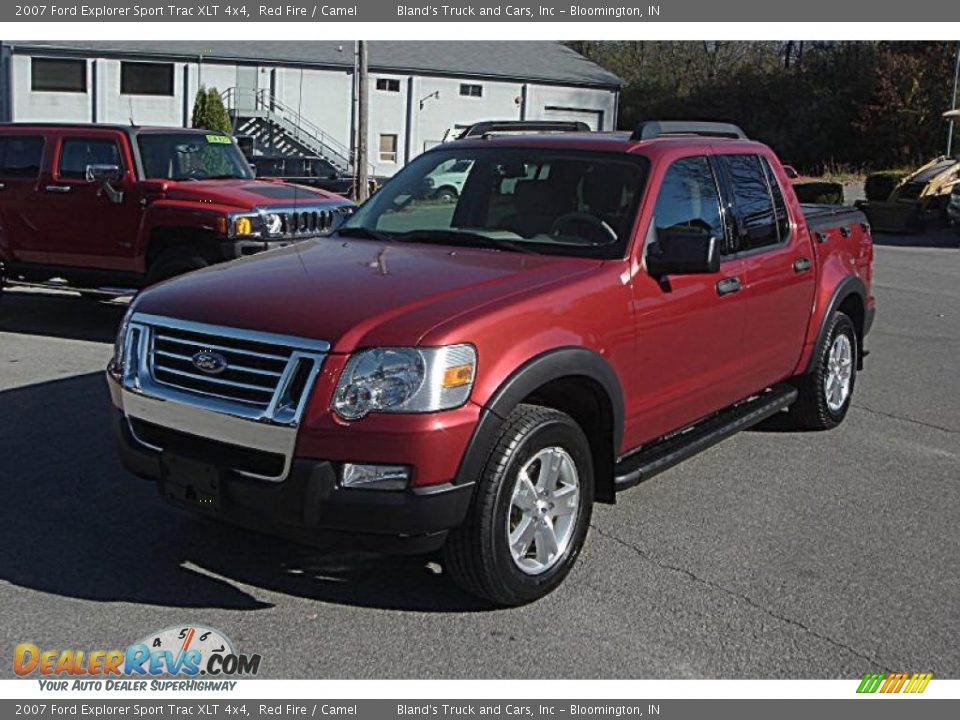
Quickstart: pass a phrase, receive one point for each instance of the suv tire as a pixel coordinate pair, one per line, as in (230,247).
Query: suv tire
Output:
(537,488)
(826,391)
(446,194)
(175,261)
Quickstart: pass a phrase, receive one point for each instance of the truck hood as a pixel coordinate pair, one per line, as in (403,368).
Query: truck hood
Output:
(354,293)
(246,194)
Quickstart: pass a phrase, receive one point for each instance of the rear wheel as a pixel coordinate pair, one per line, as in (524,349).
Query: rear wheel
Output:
(175,261)
(446,194)
(827,390)
(531,511)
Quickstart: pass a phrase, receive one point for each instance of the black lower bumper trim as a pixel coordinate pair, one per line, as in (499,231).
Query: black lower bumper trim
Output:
(308,505)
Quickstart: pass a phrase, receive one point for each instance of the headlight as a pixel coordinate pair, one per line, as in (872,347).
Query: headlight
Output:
(244,226)
(273,224)
(120,344)
(400,380)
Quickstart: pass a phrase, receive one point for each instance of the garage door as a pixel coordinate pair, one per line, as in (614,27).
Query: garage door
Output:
(593,118)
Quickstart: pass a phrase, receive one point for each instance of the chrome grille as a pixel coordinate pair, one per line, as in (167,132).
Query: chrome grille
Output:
(252,373)
(257,376)
(307,222)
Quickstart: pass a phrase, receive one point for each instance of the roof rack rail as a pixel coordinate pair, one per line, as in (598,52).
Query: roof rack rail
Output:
(652,129)
(490,127)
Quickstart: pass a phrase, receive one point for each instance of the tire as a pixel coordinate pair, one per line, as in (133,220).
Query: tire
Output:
(816,408)
(478,555)
(175,261)
(446,194)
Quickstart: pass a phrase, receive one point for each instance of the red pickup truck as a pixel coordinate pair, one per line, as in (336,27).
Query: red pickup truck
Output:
(109,209)
(474,375)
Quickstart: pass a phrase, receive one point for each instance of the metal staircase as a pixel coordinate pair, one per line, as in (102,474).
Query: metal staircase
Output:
(274,125)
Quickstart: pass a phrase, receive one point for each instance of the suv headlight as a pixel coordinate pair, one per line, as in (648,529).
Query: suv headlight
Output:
(120,344)
(273,223)
(246,225)
(405,380)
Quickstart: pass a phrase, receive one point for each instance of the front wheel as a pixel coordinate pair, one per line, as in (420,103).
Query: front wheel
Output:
(175,261)
(531,511)
(826,391)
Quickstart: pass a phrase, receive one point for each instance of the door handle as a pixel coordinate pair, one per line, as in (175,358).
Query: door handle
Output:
(801,265)
(58,188)
(728,286)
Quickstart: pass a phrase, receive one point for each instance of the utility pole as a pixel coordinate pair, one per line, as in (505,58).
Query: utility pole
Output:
(363,115)
(953,101)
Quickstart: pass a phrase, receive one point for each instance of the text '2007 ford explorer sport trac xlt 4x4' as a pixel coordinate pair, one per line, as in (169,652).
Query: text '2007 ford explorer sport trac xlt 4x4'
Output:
(473,375)
(110,208)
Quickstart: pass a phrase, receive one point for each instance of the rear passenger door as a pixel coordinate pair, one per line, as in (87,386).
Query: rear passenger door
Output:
(21,157)
(778,269)
(689,327)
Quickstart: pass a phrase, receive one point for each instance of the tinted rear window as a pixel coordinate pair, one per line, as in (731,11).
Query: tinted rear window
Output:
(20,155)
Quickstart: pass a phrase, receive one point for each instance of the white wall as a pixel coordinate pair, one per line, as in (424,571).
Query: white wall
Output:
(324,98)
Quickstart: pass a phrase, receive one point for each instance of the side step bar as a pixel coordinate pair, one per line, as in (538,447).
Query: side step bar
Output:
(654,459)
(107,292)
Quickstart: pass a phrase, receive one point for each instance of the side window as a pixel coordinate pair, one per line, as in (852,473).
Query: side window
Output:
(689,201)
(779,204)
(20,156)
(77,153)
(751,193)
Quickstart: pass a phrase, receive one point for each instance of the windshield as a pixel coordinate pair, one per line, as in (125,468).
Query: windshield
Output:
(191,156)
(529,199)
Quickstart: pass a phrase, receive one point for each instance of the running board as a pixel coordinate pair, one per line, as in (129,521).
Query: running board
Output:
(653,460)
(106,292)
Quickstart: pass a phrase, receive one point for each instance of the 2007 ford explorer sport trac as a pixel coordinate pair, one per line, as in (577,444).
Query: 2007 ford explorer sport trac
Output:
(475,374)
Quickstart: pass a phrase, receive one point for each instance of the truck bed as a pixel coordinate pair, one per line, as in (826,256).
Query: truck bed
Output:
(821,218)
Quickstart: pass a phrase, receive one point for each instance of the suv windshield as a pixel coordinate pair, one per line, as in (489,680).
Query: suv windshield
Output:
(543,200)
(191,156)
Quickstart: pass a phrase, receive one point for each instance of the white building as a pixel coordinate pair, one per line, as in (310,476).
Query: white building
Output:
(298,97)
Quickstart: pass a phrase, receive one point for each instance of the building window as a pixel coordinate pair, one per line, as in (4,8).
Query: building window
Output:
(55,75)
(388,148)
(140,78)
(468,90)
(388,84)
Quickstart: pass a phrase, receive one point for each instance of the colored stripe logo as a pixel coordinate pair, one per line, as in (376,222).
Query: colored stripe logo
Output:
(894,683)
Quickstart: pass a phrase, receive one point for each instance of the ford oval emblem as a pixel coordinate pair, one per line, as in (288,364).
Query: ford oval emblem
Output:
(209,362)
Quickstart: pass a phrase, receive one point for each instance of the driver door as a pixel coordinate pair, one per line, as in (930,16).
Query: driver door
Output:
(689,328)
(84,228)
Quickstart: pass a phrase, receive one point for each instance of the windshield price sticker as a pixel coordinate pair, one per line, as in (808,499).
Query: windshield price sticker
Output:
(219,139)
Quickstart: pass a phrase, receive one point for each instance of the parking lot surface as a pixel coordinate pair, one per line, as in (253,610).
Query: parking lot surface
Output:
(775,554)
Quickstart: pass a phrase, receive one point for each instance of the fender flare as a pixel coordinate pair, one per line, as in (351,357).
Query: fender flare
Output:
(534,373)
(850,285)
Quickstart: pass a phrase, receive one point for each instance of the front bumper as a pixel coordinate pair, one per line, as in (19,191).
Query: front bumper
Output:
(308,506)
(233,249)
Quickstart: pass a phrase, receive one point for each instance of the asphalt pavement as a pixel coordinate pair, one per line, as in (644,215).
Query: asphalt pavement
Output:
(774,554)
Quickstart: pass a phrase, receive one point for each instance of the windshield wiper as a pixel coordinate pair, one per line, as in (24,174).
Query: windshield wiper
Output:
(362,232)
(462,238)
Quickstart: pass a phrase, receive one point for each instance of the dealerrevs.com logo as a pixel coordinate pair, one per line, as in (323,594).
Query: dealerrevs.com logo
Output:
(179,651)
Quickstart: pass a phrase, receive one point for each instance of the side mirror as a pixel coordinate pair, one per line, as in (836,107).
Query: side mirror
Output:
(683,254)
(103,173)
(106,174)
(253,169)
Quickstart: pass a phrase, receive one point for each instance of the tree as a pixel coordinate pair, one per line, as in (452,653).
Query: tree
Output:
(209,112)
